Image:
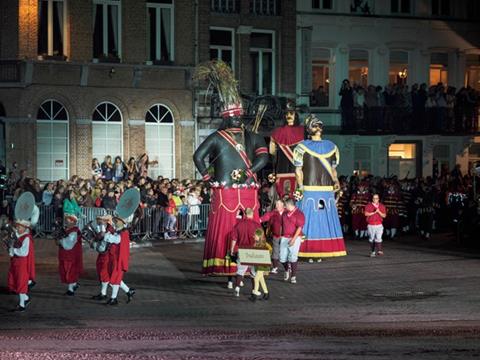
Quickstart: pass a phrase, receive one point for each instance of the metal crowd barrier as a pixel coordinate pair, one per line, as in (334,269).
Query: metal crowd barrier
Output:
(151,224)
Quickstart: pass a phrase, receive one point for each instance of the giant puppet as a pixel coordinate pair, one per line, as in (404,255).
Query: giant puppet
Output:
(315,160)
(282,143)
(235,156)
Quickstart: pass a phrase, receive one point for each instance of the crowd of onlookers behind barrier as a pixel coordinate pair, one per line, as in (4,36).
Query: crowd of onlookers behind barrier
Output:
(402,109)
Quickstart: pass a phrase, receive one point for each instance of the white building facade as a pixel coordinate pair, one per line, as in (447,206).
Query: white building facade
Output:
(376,42)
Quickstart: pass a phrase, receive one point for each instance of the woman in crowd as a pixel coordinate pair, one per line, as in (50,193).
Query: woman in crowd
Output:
(107,168)
(119,169)
(96,168)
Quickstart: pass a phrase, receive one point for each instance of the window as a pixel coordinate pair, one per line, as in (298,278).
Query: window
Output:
(358,67)
(160,31)
(320,78)
(265,7)
(400,7)
(107,131)
(473,9)
(3,146)
(225,6)
(262,54)
(362,163)
(160,141)
(473,71)
(441,155)
(402,160)
(222,45)
(398,71)
(365,7)
(107,29)
(52,141)
(322,4)
(438,68)
(51,28)
(441,7)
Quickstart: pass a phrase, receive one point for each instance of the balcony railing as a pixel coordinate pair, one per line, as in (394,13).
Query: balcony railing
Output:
(225,6)
(401,120)
(265,7)
(10,70)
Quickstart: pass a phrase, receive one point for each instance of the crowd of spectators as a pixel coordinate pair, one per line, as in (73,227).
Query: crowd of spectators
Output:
(402,109)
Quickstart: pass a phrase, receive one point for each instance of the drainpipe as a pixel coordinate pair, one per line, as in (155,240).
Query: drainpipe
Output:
(195,101)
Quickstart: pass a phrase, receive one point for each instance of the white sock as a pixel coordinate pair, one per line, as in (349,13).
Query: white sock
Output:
(115,289)
(70,287)
(29,282)
(357,233)
(394,231)
(124,287)
(23,298)
(103,291)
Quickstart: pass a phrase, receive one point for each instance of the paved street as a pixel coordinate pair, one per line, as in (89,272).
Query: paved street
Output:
(413,303)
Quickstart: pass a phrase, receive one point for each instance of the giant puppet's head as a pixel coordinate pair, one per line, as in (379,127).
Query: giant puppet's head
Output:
(313,125)
(219,76)
(290,114)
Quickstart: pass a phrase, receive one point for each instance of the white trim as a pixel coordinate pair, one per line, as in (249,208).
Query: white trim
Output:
(158,7)
(134,122)
(220,48)
(261,51)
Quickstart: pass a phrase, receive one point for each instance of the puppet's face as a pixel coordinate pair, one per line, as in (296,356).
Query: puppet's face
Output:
(290,118)
(234,122)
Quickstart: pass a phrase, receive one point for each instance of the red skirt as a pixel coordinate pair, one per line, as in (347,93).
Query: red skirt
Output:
(18,275)
(225,204)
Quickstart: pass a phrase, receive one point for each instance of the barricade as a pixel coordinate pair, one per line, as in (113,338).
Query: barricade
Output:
(149,223)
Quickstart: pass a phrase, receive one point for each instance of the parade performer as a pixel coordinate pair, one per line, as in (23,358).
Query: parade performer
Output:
(104,226)
(242,236)
(274,220)
(235,155)
(293,220)
(260,270)
(316,161)
(375,212)
(342,205)
(394,204)
(20,263)
(70,254)
(282,142)
(358,201)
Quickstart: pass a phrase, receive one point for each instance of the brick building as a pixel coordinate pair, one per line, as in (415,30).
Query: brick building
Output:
(83,79)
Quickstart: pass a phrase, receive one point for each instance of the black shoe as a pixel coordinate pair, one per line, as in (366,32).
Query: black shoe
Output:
(130,294)
(266,296)
(27,302)
(99,297)
(70,293)
(31,285)
(112,302)
(253,298)
(19,308)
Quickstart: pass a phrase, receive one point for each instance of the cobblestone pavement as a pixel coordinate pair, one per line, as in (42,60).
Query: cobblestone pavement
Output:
(412,303)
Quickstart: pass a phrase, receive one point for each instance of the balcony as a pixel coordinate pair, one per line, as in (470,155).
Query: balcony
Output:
(10,71)
(225,6)
(265,7)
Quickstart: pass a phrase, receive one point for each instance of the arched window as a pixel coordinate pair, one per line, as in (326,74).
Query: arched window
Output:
(2,135)
(160,141)
(107,131)
(52,141)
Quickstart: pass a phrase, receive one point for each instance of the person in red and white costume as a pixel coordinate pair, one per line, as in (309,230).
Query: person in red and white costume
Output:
(274,219)
(20,262)
(104,225)
(293,220)
(375,212)
(118,259)
(70,254)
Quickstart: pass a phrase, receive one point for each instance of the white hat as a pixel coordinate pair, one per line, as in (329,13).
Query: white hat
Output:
(24,223)
(70,217)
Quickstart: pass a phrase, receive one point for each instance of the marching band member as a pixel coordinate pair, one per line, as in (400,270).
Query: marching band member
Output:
(104,226)
(118,258)
(70,254)
(21,260)
(358,201)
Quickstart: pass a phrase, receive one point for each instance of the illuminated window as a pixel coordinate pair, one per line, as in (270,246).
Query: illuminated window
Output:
(402,160)
(51,28)
(107,29)
(160,140)
(398,71)
(472,76)
(160,31)
(222,45)
(107,131)
(320,78)
(52,141)
(358,67)
(438,68)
